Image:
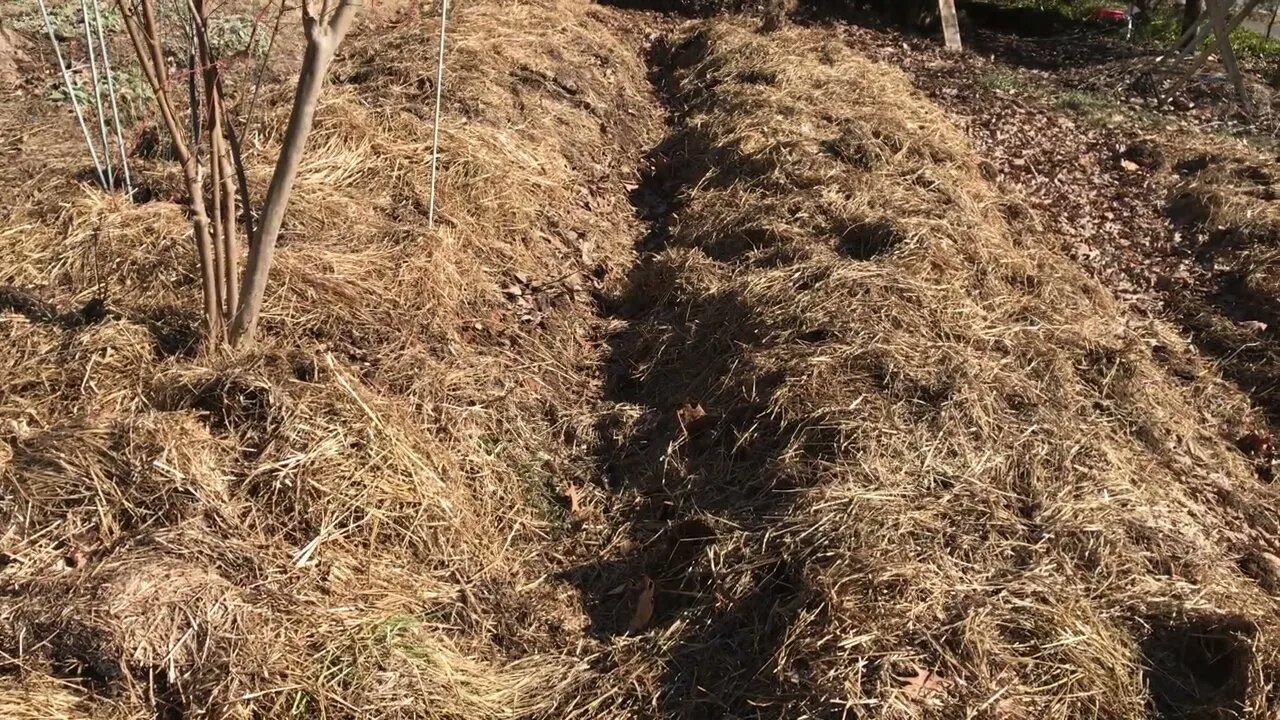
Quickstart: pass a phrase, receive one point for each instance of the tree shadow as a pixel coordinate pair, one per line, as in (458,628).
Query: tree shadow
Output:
(36,310)
(175,331)
(698,449)
(1233,313)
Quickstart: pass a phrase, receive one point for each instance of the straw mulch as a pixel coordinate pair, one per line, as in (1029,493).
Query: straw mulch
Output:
(884,456)
(1225,204)
(850,443)
(350,519)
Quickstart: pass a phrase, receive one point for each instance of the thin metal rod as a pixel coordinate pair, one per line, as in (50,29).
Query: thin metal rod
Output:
(71,92)
(435,133)
(97,92)
(111,92)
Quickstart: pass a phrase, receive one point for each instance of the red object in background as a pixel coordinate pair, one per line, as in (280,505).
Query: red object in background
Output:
(1107,15)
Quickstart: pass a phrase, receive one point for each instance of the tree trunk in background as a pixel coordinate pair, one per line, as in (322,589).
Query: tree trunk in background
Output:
(950,24)
(1141,11)
(917,14)
(1191,12)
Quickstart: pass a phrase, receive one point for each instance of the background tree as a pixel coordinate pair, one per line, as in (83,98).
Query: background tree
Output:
(1191,10)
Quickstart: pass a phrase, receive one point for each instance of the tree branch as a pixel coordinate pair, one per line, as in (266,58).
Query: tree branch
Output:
(151,57)
(323,40)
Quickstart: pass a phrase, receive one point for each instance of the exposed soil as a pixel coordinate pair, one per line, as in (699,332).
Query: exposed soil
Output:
(12,55)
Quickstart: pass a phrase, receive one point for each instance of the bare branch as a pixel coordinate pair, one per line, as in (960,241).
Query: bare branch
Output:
(231,249)
(237,164)
(144,38)
(322,43)
(262,67)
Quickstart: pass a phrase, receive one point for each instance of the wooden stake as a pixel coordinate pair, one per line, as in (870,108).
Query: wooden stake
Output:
(1201,34)
(1222,29)
(950,25)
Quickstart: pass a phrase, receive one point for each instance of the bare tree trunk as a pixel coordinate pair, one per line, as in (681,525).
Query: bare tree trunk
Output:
(222,184)
(1275,8)
(232,306)
(1191,12)
(150,54)
(324,35)
(220,259)
(242,180)
(950,25)
(231,248)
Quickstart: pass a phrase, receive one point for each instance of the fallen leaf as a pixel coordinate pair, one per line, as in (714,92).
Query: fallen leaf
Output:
(574,495)
(1130,166)
(644,606)
(689,413)
(75,559)
(923,684)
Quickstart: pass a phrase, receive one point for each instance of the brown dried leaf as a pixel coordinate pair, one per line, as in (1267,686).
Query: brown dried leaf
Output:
(689,413)
(75,558)
(644,606)
(923,684)
(574,495)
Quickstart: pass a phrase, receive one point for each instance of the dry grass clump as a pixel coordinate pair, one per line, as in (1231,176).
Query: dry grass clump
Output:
(1226,199)
(883,457)
(349,520)
(1228,187)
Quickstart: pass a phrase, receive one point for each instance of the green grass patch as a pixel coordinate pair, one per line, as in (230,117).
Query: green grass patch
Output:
(66,18)
(1100,110)
(133,92)
(1082,102)
(1002,79)
(233,35)
(1250,45)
